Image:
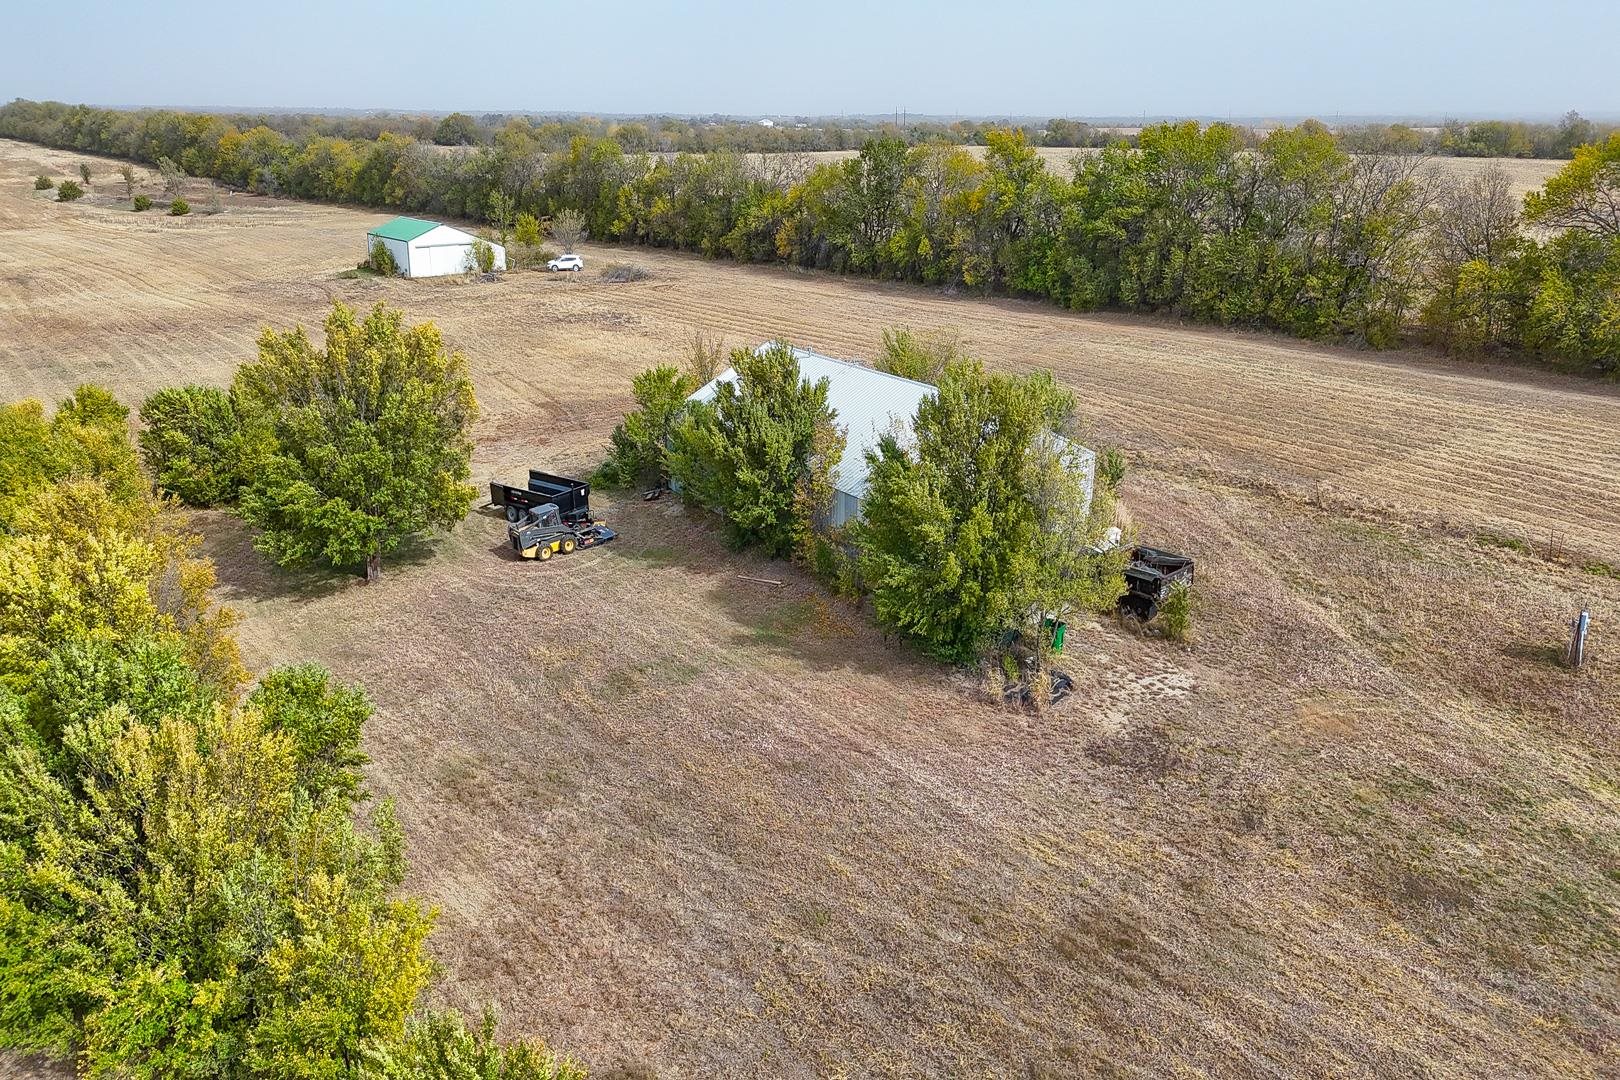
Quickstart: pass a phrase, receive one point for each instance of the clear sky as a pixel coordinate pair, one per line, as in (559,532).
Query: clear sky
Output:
(1240,58)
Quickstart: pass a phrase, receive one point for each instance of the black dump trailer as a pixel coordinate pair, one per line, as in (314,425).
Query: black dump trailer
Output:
(572,498)
(1149,576)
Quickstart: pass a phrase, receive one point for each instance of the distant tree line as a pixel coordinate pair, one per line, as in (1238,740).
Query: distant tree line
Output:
(695,135)
(1292,232)
(1479,138)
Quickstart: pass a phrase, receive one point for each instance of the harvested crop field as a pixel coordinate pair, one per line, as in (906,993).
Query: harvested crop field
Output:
(691,823)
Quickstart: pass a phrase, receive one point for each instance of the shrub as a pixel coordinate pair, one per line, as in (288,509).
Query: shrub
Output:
(1175,614)
(43,183)
(1111,467)
(704,355)
(179,208)
(621,272)
(762,452)
(84,171)
(382,260)
(127,171)
(526,230)
(529,256)
(921,357)
(480,258)
(141,202)
(192,441)
(67,191)
(442,1046)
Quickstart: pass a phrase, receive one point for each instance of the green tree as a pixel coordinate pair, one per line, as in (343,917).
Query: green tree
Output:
(526,230)
(194,444)
(174,177)
(322,718)
(638,448)
(84,171)
(1583,195)
(480,258)
(372,438)
(986,523)
(1481,268)
(43,183)
(68,191)
(127,172)
(457,129)
(761,452)
(1574,313)
(86,439)
(501,212)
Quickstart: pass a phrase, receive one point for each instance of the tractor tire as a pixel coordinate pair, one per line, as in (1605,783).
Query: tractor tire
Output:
(513,514)
(544,553)
(568,546)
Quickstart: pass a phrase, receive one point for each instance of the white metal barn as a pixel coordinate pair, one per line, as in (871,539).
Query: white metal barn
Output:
(427,248)
(871,404)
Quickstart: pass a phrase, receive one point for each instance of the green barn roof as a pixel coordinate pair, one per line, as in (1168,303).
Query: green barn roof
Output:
(404,228)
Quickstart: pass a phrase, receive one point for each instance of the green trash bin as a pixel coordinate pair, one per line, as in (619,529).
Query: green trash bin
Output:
(1058,629)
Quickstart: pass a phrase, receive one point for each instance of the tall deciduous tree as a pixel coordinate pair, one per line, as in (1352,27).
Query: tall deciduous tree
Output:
(1584,195)
(984,522)
(761,452)
(372,438)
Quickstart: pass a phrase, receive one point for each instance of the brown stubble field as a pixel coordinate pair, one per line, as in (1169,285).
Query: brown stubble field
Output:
(692,824)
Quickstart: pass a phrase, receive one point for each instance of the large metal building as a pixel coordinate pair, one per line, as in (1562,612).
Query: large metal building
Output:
(871,404)
(427,248)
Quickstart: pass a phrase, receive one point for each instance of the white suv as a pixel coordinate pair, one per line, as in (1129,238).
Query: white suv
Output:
(566,262)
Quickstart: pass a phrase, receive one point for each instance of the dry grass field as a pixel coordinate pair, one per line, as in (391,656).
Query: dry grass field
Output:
(686,823)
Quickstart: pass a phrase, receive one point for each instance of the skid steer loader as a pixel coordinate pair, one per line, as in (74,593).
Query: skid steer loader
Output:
(542,533)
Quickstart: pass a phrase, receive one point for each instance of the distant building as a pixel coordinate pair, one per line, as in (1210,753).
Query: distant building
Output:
(767,123)
(871,404)
(427,248)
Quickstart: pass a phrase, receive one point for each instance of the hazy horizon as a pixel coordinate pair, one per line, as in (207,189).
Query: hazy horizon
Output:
(1259,60)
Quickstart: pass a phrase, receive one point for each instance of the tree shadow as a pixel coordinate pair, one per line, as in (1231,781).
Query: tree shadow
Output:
(246,574)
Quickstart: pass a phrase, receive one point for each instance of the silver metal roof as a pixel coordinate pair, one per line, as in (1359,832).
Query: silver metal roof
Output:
(869,404)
